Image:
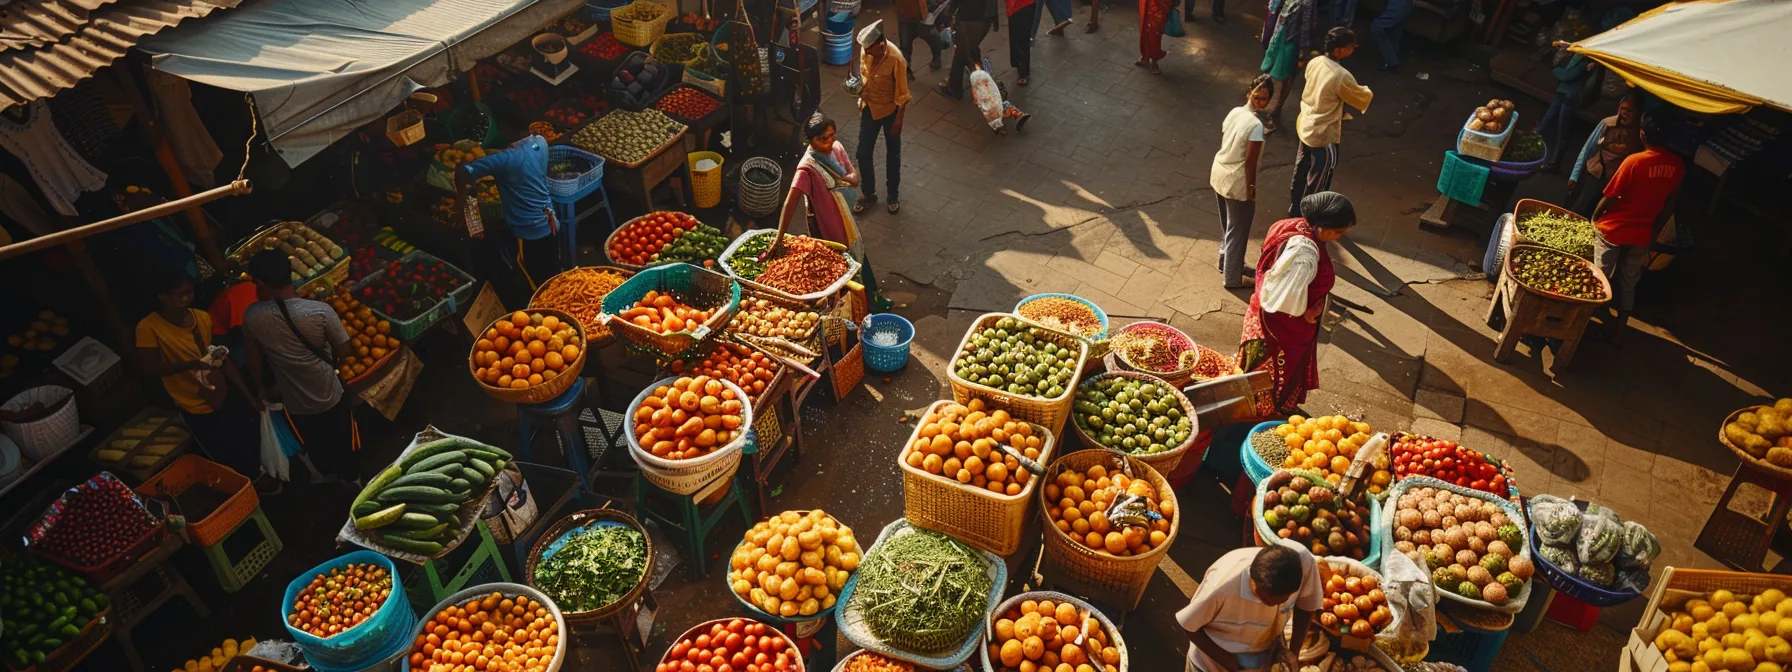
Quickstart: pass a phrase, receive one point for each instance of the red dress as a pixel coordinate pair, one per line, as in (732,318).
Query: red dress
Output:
(1286,345)
(1152,15)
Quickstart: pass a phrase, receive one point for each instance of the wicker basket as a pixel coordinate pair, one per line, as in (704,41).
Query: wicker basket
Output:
(704,628)
(1113,630)
(547,390)
(1073,566)
(640,33)
(812,299)
(1506,270)
(41,438)
(1530,206)
(595,332)
(1178,340)
(973,515)
(507,590)
(192,471)
(1164,462)
(1049,412)
(577,521)
(683,477)
(1747,457)
(699,288)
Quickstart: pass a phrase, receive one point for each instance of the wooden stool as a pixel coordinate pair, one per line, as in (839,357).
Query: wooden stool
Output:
(234,574)
(632,625)
(691,521)
(141,590)
(1739,540)
(479,563)
(1519,312)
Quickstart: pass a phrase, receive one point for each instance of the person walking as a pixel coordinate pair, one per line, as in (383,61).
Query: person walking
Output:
(1638,201)
(1387,29)
(910,15)
(1094,16)
(971,20)
(1234,177)
(1321,122)
(1219,11)
(882,102)
(1236,618)
(1294,277)
(301,340)
(1061,16)
(1613,139)
(173,343)
(1287,37)
(1570,76)
(1023,22)
(1152,16)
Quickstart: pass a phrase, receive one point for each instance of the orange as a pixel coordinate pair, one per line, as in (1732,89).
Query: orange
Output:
(556,361)
(520,317)
(537,348)
(535,379)
(519,384)
(570,352)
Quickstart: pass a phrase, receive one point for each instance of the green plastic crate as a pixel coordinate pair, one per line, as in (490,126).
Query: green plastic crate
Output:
(408,330)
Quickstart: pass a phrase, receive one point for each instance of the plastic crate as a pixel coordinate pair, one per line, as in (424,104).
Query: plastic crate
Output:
(194,471)
(113,566)
(408,330)
(699,287)
(571,190)
(1485,146)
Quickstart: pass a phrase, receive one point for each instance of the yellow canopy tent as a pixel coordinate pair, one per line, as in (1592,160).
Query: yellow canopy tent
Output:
(1709,56)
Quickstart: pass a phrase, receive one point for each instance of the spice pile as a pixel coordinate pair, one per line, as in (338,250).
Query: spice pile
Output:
(1548,270)
(1568,233)
(594,567)
(1132,415)
(1151,350)
(803,265)
(515,633)
(340,599)
(922,591)
(971,446)
(794,564)
(580,293)
(690,418)
(1270,446)
(1066,315)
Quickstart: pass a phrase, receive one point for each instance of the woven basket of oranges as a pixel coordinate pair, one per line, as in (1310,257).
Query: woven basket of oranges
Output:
(528,357)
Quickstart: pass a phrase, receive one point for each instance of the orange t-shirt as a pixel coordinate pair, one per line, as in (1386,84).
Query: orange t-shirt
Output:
(1639,190)
(227,308)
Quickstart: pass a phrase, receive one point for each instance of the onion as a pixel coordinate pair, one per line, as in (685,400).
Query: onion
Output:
(1484,115)
(1475,125)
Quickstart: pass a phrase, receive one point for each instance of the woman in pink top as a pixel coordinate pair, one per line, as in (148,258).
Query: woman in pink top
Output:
(826,180)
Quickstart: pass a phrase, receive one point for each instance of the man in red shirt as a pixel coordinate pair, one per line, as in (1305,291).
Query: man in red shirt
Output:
(1638,201)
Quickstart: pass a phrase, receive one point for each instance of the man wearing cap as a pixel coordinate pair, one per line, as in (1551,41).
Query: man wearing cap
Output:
(882,102)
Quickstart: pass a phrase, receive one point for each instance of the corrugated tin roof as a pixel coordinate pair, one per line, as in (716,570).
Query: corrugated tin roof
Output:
(48,45)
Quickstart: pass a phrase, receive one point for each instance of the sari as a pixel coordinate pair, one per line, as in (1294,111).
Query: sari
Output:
(1286,345)
(1152,16)
(820,178)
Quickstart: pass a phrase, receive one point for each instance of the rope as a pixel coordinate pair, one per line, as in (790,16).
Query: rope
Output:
(254,130)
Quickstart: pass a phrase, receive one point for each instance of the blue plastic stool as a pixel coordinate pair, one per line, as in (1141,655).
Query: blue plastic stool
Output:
(561,417)
(570,215)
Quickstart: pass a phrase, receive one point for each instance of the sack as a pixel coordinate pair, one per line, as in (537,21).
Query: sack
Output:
(1173,24)
(1413,596)
(988,97)
(273,453)
(510,508)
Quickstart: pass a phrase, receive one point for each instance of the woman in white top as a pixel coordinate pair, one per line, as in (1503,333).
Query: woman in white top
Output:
(1234,177)
(1294,276)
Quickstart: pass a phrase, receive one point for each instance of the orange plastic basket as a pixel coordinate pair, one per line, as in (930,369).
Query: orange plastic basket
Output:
(192,470)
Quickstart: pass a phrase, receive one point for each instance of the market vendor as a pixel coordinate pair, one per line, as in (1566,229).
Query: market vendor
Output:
(173,342)
(1638,200)
(521,172)
(1294,277)
(301,340)
(1236,618)
(824,191)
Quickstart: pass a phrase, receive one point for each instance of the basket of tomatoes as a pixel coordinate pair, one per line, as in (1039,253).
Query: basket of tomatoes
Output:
(739,644)
(637,242)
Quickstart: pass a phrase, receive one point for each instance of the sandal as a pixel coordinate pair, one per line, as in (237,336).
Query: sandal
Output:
(1139,63)
(1152,66)
(893,207)
(864,204)
(1058,30)
(947,92)
(1021,81)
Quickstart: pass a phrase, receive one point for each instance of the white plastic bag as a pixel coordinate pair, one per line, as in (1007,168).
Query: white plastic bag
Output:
(1412,596)
(988,97)
(273,459)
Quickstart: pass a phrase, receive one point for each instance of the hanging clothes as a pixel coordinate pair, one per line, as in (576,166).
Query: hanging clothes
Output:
(85,120)
(18,205)
(193,146)
(59,172)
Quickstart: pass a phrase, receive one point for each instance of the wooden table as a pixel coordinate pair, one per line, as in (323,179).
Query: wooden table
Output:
(1741,540)
(654,171)
(1520,312)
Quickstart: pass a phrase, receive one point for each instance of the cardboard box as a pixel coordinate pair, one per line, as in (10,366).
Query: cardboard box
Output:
(1639,652)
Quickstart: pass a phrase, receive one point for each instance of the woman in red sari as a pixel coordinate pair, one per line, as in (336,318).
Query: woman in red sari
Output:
(1152,15)
(1294,276)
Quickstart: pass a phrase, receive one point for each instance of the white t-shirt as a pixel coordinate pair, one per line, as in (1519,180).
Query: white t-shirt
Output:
(1229,611)
(1241,128)
(1284,287)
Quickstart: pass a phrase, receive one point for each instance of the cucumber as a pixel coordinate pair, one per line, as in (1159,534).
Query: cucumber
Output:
(381,518)
(502,453)
(430,478)
(411,545)
(421,494)
(427,451)
(367,508)
(425,534)
(428,463)
(378,483)
(483,467)
(437,510)
(460,485)
(451,469)
(415,521)
(480,454)
(473,476)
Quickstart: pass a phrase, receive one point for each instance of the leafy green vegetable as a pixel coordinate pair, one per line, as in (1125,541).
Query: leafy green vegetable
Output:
(1523,147)
(745,261)
(594,568)
(922,591)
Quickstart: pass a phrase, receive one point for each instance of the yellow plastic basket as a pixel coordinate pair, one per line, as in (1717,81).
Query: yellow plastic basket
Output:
(706,185)
(637,32)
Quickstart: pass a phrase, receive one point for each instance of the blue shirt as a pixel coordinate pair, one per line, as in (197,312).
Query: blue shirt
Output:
(522,175)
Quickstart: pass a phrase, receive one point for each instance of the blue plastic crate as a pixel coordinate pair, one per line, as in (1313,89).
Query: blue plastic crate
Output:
(571,190)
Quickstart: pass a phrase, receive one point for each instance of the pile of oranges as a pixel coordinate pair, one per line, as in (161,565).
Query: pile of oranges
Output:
(751,369)
(962,443)
(495,632)
(370,336)
(525,349)
(664,313)
(690,418)
(1327,443)
(1080,502)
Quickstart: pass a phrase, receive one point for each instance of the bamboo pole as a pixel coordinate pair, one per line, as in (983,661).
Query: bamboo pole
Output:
(235,188)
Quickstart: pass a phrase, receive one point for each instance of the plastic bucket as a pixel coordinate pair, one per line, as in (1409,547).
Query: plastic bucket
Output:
(706,185)
(893,353)
(838,22)
(365,644)
(837,48)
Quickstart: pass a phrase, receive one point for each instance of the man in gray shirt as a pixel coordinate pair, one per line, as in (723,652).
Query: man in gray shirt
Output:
(301,340)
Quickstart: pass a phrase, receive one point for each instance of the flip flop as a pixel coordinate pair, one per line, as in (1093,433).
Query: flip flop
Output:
(941,88)
(1021,81)
(1058,30)
(1153,68)
(893,207)
(864,204)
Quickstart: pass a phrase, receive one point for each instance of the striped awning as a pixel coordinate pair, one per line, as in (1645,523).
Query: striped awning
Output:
(49,45)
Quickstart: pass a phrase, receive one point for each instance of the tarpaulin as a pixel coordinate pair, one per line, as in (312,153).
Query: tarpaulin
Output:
(1710,56)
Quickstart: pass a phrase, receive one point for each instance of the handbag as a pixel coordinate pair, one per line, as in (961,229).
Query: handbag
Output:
(1173,24)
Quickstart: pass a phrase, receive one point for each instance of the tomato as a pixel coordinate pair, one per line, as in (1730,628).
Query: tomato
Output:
(679,649)
(702,641)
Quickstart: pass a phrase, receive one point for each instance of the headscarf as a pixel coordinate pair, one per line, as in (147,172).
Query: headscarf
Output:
(1328,210)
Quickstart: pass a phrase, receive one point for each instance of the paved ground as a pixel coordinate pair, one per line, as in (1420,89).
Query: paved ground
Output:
(1105,194)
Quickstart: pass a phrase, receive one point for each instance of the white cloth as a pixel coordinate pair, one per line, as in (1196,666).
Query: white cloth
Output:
(1237,132)
(1284,287)
(1227,609)
(1329,88)
(59,172)
(194,149)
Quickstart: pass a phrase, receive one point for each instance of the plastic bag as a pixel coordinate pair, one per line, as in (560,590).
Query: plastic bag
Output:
(1598,573)
(988,97)
(1560,556)
(1555,519)
(1639,549)
(1410,594)
(273,453)
(1601,535)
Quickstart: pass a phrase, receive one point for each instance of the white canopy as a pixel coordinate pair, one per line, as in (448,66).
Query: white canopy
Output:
(321,68)
(1712,56)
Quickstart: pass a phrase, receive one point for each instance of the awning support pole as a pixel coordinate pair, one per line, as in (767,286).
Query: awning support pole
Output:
(76,234)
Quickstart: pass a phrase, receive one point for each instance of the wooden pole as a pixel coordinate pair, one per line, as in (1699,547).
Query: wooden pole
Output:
(75,234)
(151,127)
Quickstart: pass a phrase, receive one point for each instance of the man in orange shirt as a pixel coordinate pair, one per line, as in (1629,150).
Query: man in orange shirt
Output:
(882,102)
(1638,201)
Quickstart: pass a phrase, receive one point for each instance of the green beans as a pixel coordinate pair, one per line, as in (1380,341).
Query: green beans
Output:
(922,591)
(1563,232)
